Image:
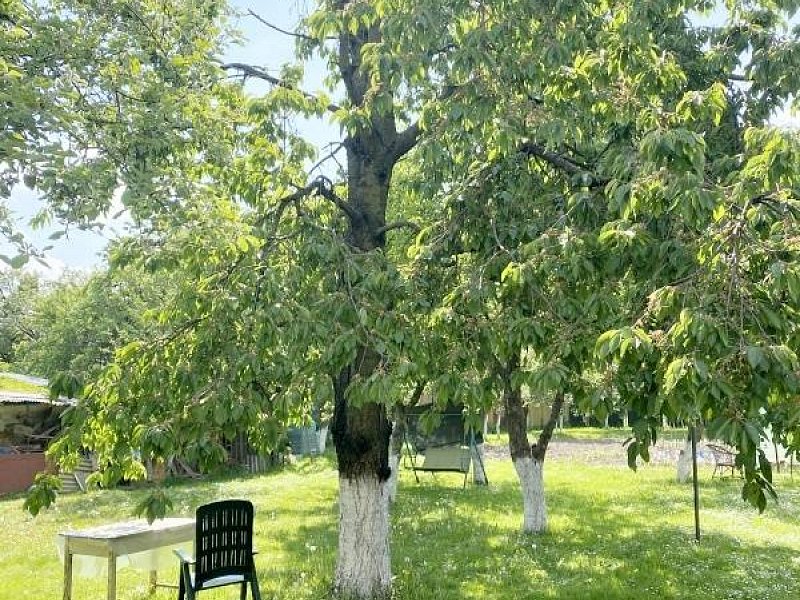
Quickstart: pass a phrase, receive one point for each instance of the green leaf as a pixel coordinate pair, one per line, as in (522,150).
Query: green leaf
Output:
(755,356)
(764,466)
(754,432)
(19,261)
(633,453)
(154,506)
(42,493)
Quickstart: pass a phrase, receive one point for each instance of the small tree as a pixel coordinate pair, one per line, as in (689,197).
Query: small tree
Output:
(77,323)
(18,293)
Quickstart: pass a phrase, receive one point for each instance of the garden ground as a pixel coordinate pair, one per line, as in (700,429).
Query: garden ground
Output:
(614,534)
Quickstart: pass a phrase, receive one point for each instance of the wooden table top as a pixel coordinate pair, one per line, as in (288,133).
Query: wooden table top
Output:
(129,528)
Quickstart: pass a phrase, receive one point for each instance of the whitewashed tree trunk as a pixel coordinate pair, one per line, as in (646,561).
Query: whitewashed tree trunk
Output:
(530,472)
(322,439)
(478,465)
(391,485)
(363,569)
(625,419)
(684,470)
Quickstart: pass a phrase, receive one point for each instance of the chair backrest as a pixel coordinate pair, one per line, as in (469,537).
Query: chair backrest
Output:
(223,539)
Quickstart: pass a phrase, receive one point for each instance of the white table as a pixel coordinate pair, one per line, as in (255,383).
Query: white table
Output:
(141,545)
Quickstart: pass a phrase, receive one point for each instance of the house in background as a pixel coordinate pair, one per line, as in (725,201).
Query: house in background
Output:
(28,421)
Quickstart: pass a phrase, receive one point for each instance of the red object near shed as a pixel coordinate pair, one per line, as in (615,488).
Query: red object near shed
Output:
(17,471)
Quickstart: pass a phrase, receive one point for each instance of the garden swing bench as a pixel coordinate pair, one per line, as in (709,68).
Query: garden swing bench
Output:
(445,450)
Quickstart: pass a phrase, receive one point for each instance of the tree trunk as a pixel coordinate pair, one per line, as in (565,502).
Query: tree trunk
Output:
(361,436)
(684,466)
(528,459)
(362,568)
(478,465)
(394,465)
(530,472)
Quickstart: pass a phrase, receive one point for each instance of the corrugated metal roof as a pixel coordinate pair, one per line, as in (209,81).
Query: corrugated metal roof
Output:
(23,398)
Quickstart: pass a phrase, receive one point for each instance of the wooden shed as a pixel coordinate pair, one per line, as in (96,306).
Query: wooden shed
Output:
(27,424)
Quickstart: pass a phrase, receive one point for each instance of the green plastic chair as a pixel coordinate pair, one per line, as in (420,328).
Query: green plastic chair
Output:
(223,551)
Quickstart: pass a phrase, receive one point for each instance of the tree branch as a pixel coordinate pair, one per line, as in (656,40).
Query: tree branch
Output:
(325,189)
(416,394)
(336,147)
(540,447)
(295,34)
(407,138)
(398,225)
(252,71)
(561,162)
(321,186)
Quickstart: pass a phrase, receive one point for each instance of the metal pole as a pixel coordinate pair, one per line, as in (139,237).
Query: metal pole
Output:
(695,485)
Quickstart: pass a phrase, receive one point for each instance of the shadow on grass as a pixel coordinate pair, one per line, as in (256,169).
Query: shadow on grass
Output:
(449,543)
(598,547)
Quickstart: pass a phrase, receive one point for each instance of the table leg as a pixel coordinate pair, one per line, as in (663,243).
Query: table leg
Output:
(153,581)
(67,572)
(112,576)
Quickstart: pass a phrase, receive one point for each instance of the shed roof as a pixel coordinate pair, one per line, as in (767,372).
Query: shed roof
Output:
(26,398)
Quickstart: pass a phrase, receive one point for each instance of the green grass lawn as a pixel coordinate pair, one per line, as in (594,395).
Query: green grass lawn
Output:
(7,384)
(614,534)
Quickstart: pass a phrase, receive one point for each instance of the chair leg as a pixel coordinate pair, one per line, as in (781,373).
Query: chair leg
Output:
(254,586)
(243,592)
(185,585)
(181,585)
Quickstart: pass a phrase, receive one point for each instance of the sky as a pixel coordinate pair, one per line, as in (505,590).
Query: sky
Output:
(82,250)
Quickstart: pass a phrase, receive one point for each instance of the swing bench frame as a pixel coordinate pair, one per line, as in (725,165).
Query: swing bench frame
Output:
(444,458)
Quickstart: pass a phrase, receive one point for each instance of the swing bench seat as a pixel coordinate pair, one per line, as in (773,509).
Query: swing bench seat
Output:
(452,459)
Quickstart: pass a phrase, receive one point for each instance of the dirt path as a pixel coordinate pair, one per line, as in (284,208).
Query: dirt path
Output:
(604,452)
